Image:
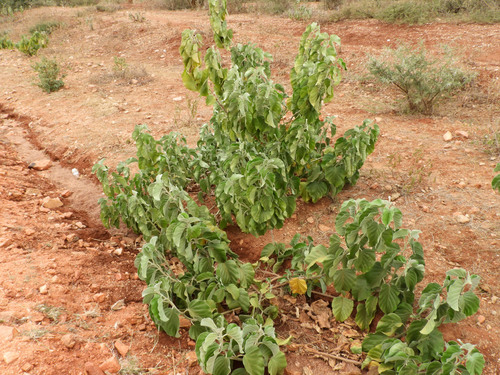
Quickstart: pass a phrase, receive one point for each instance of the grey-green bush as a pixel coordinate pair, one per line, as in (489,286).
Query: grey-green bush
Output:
(49,75)
(423,80)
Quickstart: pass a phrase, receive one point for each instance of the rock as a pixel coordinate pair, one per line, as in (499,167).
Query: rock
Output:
(118,251)
(10,357)
(111,365)
(462,133)
(99,297)
(4,242)
(447,137)
(462,184)
(29,231)
(66,215)
(474,210)
(91,369)
(374,186)
(184,323)
(80,225)
(51,203)
(177,99)
(425,209)
(8,317)
(26,367)
(324,228)
(481,319)
(387,187)
(462,219)
(68,340)
(378,120)
(6,333)
(66,193)
(395,197)
(191,359)
(121,348)
(41,165)
(310,220)
(44,289)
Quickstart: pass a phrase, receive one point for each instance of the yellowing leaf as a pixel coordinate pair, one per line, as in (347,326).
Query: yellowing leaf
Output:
(298,286)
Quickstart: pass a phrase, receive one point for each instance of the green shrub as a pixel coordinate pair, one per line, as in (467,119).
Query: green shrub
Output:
(423,80)
(31,45)
(496,180)
(46,27)
(5,42)
(404,12)
(49,75)
(300,13)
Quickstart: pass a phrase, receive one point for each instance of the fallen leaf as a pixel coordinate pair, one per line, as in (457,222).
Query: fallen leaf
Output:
(298,286)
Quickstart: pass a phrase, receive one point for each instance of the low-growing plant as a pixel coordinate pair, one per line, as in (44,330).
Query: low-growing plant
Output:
(5,42)
(49,75)
(30,45)
(423,80)
(300,12)
(137,17)
(496,180)
(46,27)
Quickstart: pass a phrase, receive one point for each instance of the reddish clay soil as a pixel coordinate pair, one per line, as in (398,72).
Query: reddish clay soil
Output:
(68,287)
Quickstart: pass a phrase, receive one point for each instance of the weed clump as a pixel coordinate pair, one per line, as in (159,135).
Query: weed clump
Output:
(31,45)
(423,80)
(50,78)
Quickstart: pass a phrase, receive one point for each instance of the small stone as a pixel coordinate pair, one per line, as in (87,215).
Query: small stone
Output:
(310,220)
(91,369)
(118,251)
(134,81)
(29,231)
(447,137)
(66,194)
(191,359)
(324,228)
(387,187)
(121,348)
(99,297)
(6,333)
(66,215)
(41,165)
(44,289)
(462,219)
(177,99)
(68,340)
(395,196)
(494,299)
(51,203)
(80,225)
(141,327)
(378,120)
(481,319)
(26,367)
(71,238)
(111,365)
(462,133)
(374,186)
(8,317)
(10,357)
(462,184)
(5,242)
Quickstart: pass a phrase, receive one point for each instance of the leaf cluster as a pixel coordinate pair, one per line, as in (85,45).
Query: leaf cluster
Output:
(30,45)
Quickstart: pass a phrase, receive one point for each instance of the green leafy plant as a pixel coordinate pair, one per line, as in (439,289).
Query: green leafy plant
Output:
(300,13)
(5,42)
(46,27)
(496,180)
(49,75)
(31,45)
(423,81)
(137,17)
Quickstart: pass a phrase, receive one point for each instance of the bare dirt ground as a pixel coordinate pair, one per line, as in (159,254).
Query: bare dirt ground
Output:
(68,290)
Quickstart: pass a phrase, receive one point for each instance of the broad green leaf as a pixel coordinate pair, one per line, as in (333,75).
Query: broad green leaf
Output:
(365,260)
(389,324)
(344,279)
(277,364)
(222,366)
(199,309)
(342,308)
(454,292)
(469,303)
(228,272)
(254,361)
(171,327)
(431,345)
(363,317)
(388,298)
(475,362)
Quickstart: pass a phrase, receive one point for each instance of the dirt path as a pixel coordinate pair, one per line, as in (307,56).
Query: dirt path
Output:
(62,271)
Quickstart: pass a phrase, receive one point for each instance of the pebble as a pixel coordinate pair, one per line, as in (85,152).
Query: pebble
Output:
(118,251)
(324,228)
(481,319)
(462,219)
(44,289)
(6,333)
(91,369)
(29,231)
(68,340)
(462,133)
(121,348)
(26,367)
(395,197)
(41,165)
(310,220)
(111,365)
(374,186)
(388,187)
(99,297)
(184,323)
(10,357)
(447,136)
(66,193)
(51,203)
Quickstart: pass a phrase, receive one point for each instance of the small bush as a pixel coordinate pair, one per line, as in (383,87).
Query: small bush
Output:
(49,75)
(332,4)
(137,17)
(31,45)
(5,42)
(410,12)
(300,13)
(46,27)
(422,80)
